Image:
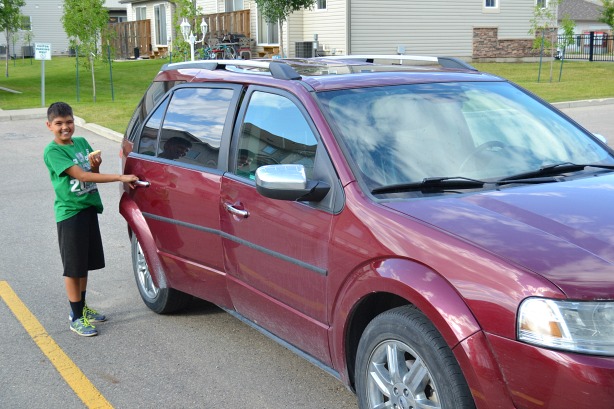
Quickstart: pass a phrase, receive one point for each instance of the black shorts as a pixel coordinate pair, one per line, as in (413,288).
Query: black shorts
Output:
(80,243)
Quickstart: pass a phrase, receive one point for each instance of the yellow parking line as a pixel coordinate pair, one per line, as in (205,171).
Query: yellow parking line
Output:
(73,376)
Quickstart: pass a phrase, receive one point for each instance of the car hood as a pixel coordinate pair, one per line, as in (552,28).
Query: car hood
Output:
(563,231)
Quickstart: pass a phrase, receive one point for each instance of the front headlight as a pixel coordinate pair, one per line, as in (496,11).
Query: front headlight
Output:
(578,326)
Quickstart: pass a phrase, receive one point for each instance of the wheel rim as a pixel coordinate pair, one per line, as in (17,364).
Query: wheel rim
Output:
(143,275)
(398,378)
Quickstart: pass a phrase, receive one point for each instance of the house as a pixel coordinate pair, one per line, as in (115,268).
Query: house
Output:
(44,19)
(470,29)
(585,14)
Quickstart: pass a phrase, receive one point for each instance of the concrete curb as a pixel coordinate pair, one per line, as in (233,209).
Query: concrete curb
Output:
(99,130)
(583,103)
(41,114)
(21,114)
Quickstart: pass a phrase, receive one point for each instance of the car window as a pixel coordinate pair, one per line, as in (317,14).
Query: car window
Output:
(148,142)
(482,130)
(153,94)
(192,128)
(274,131)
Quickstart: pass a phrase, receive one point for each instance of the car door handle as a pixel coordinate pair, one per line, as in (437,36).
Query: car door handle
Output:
(141,183)
(244,214)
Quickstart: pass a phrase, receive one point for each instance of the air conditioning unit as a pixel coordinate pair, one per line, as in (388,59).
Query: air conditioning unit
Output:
(304,49)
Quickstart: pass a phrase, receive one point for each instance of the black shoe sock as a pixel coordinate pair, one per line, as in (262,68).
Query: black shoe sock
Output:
(77,309)
(83,298)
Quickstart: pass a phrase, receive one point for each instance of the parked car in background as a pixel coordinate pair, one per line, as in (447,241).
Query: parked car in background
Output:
(431,235)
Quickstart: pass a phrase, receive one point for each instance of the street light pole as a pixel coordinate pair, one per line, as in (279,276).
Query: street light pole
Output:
(188,35)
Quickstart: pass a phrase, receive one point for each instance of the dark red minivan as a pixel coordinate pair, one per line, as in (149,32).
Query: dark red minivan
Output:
(431,235)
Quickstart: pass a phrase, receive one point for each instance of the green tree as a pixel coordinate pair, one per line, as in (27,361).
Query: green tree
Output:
(10,22)
(277,11)
(544,28)
(607,13)
(85,22)
(569,27)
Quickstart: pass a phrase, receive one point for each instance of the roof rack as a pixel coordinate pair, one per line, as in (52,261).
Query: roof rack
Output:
(446,62)
(280,69)
(277,69)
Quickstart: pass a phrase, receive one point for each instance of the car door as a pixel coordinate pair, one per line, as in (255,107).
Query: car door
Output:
(177,152)
(277,251)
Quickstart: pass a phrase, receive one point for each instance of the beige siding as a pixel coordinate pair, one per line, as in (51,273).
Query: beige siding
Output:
(330,25)
(150,15)
(431,27)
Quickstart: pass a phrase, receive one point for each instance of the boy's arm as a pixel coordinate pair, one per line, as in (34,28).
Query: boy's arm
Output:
(77,173)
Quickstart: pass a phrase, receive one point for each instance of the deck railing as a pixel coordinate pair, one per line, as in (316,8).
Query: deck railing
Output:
(232,22)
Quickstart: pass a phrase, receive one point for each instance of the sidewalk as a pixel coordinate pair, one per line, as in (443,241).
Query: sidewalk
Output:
(41,113)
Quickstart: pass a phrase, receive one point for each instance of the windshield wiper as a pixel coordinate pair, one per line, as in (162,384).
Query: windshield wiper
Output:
(554,169)
(436,183)
(459,182)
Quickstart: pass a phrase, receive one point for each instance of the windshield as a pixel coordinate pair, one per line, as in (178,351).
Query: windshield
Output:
(483,130)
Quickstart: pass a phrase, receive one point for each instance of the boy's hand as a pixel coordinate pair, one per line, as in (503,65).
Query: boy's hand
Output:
(130,179)
(95,160)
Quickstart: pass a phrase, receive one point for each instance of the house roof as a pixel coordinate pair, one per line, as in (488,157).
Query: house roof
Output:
(582,10)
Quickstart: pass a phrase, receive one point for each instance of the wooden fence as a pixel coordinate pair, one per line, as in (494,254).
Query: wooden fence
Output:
(129,36)
(232,22)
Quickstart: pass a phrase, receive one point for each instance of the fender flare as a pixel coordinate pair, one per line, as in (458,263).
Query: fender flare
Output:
(138,226)
(408,280)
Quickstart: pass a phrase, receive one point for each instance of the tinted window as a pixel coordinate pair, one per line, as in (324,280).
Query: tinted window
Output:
(153,94)
(148,141)
(274,131)
(193,125)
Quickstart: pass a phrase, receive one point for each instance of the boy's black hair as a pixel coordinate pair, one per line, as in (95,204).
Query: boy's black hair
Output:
(58,109)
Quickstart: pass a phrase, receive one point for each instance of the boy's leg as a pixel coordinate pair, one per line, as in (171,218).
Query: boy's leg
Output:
(91,314)
(73,291)
(74,244)
(83,288)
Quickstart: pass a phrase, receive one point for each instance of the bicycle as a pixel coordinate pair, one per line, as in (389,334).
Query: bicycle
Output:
(220,51)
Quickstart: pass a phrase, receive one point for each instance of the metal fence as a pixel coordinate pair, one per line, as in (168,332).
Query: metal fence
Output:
(593,46)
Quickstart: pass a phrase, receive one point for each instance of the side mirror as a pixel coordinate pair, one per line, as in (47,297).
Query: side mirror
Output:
(289,182)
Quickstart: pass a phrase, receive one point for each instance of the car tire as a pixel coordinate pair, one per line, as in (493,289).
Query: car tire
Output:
(160,300)
(405,338)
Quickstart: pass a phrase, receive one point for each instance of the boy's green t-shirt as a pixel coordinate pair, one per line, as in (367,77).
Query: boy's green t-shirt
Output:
(71,195)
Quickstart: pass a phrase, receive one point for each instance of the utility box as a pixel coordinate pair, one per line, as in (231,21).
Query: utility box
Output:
(27,51)
(304,49)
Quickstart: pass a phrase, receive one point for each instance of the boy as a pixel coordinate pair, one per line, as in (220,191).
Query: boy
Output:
(74,172)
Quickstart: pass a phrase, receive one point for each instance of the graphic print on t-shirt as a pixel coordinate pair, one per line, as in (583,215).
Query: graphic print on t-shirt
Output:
(76,186)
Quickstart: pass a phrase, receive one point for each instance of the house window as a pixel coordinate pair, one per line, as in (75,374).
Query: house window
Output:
(160,21)
(26,23)
(268,33)
(490,6)
(542,3)
(140,13)
(321,4)
(234,5)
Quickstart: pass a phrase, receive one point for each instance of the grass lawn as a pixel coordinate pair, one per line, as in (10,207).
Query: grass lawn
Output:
(580,80)
(112,109)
